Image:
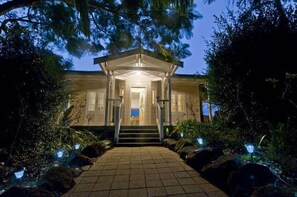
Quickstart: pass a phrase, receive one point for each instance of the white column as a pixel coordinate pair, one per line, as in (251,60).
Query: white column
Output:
(112,96)
(169,98)
(106,99)
(163,88)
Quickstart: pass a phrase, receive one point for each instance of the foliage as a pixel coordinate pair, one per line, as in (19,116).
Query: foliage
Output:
(281,147)
(32,81)
(70,136)
(214,134)
(252,76)
(109,26)
(252,72)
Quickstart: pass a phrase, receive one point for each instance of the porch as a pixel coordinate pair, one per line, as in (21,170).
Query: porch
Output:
(134,88)
(138,93)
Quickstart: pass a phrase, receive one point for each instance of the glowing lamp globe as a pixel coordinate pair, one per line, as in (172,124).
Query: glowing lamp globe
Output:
(19,173)
(200,140)
(167,131)
(60,154)
(181,135)
(250,148)
(76,146)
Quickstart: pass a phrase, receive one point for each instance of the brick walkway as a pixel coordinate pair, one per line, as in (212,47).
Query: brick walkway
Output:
(142,171)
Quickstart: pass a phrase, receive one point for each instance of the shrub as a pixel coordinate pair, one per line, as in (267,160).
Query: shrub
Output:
(70,136)
(32,79)
(215,134)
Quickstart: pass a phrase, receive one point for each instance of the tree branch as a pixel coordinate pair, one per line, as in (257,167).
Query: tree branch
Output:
(15,4)
(98,27)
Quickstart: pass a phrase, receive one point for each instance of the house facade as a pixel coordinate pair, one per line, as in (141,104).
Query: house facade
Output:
(134,88)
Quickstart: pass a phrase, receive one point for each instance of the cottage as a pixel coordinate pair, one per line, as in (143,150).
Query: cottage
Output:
(136,90)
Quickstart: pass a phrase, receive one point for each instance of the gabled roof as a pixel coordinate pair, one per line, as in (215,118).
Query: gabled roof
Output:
(134,52)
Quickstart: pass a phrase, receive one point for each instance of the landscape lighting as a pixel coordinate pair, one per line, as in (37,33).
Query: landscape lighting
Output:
(77,146)
(60,154)
(250,148)
(19,173)
(200,141)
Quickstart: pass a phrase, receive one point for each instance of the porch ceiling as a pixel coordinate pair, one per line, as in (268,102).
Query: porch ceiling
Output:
(135,74)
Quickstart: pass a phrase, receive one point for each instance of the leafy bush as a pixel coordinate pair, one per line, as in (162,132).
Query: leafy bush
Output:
(281,146)
(70,136)
(215,134)
(32,80)
(252,66)
(253,78)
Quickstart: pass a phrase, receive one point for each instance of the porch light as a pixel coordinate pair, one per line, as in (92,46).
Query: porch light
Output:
(200,141)
(181,135)
(250,148)
(76,146)
(19,173)
(60,154)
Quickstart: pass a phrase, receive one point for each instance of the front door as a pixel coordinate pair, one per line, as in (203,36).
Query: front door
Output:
(137,104)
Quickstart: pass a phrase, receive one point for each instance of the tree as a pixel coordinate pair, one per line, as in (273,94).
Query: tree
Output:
(98,25)
(253,5)
(252,66)
(33,96)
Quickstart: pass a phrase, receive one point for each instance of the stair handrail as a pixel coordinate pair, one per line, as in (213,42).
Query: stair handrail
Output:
(160,114)
(118,116)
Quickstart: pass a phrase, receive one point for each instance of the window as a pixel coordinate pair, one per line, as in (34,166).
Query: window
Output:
(154,97)
(91,101)
(173,103)
(101,99)
(180,103)
(205,108)
(177,102)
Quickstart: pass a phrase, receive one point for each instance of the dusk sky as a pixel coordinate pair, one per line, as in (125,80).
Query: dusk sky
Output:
(203,29)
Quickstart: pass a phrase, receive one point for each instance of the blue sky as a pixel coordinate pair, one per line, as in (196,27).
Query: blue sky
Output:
(202,31)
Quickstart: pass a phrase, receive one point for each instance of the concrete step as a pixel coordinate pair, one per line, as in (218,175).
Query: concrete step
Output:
(138,131)
(139,139)
(139,144)
(140,127)
(139,134)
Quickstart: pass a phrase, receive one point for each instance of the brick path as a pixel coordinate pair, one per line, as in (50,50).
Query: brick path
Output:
(140,172)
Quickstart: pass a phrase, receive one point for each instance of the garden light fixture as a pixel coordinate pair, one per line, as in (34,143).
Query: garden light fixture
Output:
(19,173)
(200,141)
(60,154)
(250,148)
(76,146)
